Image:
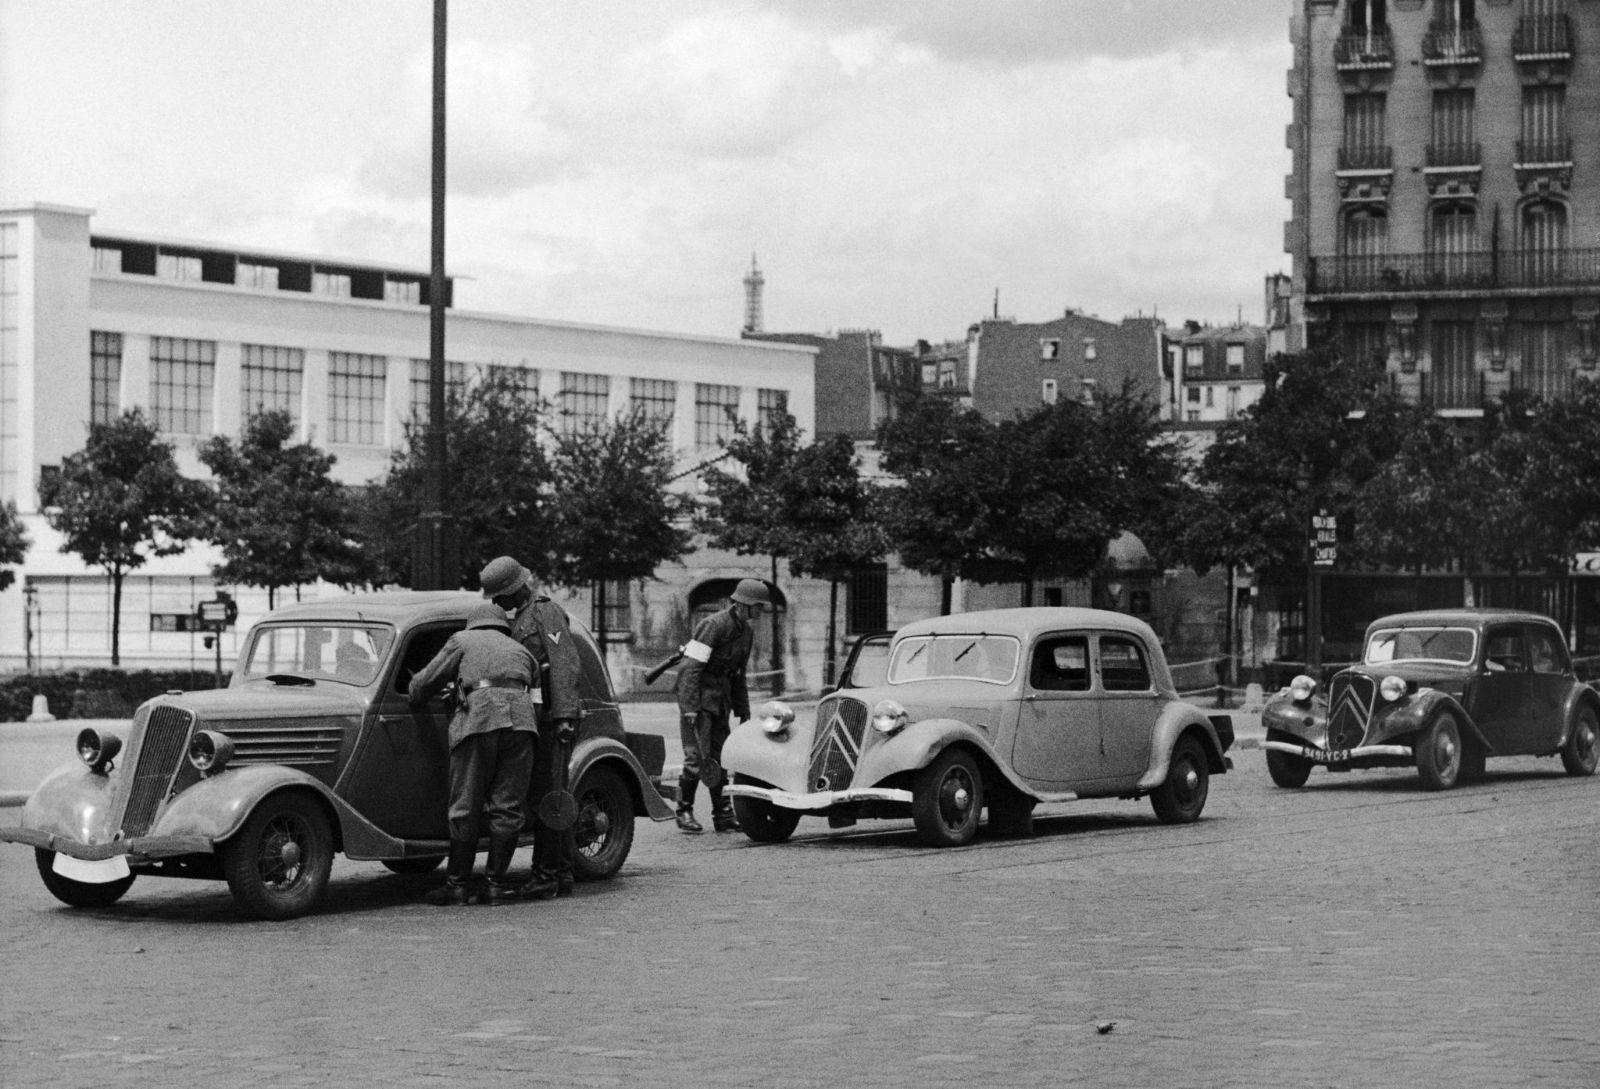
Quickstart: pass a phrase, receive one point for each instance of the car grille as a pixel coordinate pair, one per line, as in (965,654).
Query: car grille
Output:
(1350,700)
(162,747)
(841,727)
(300,746)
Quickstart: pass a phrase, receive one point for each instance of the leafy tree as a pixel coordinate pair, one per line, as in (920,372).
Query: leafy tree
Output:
(1415,511)
(1041,493)
(806,504)
(14,543)
(611,513)
(279,518)
(121,500)
(499,484)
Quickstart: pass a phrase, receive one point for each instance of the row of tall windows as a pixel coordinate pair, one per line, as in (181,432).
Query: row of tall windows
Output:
(1543,349)
(1367,15)
(1452,137)
(1453,230)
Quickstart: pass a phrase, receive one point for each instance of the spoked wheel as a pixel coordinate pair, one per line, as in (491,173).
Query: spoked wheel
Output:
(277,865)
(1580,754)
(1288,770)
(1180,799)
(79,894)
(413,865)
(603,834)
(1438,753)
(947,800)
(761,820)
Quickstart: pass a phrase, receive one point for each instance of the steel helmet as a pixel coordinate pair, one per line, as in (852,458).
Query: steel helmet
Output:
(502,575)
(488,615)
(752,592)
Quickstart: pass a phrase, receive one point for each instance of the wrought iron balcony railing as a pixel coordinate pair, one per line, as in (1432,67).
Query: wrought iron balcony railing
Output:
(1483,270)
(1542,37)
(1364,47)
(1550,149)
(1366,158)
(1441,154)
(1452,43)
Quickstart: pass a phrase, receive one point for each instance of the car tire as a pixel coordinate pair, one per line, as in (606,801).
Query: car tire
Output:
(1439,752)
(1182,797)
(413,866)
(948,799)
(1582,751)
(1011,813)
(1288,770)
(603,833)
(79,894)
(761,820)
(277,865)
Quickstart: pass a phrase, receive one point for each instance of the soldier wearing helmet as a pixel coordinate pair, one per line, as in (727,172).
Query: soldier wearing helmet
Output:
(541,626)
(491,745)
(712,686)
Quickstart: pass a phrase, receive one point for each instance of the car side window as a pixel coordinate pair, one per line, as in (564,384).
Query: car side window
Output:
(1122,665)
(1543,653)
(420,650)
(1061,664)
(1503,652)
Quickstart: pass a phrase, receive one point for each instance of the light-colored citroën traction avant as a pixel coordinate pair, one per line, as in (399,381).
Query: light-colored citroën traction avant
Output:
(998,710)
(310,750)
(1442,690)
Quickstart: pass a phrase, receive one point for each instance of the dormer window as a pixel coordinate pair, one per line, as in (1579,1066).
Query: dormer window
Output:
(1049,391)
(1194,358)
(1089,351)
(1050,349)
(1236,359)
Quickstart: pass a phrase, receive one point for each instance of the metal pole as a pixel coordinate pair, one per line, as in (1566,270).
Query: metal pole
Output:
(431,572)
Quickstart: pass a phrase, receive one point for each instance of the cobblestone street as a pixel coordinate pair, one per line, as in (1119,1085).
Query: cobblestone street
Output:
(1358,932)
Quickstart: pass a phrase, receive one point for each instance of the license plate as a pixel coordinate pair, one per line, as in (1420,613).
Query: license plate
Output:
(96,872)
(1326,756)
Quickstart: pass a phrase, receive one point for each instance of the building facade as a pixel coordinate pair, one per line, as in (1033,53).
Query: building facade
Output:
(201,335)
(1216,373)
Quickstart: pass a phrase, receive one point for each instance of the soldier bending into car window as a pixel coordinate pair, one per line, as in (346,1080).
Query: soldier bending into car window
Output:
(541,626)
(492,739)
(711,686)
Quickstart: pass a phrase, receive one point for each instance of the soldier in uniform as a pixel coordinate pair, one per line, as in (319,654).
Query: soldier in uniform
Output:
(712,686)
(491,745)
(541,626)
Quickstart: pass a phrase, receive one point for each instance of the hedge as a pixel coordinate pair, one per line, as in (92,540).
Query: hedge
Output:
(95,693)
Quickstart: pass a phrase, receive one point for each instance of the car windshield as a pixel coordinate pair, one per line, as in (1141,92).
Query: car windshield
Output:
(346,653)
(988,658)
(1421,645)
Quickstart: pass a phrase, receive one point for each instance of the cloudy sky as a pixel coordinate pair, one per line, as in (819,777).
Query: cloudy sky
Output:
(892,163)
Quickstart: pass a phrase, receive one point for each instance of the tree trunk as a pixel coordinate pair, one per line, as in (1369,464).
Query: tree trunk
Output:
(116,616)
(272,598)
(947,594)
(600,615)
(777,674)
(833,613)
(1027,592)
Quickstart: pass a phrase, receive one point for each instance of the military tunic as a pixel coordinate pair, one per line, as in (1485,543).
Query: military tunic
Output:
(712,684)
(541,626)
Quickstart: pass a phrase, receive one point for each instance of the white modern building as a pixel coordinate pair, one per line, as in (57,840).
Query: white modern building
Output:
(199,334)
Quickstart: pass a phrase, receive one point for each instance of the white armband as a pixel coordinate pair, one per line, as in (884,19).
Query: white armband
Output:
(697,651)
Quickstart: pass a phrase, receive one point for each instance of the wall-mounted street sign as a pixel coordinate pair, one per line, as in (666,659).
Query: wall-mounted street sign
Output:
(1324,538)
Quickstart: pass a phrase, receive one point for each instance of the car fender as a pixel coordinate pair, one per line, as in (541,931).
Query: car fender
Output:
(1307,721)
(73,803)
(917,745)
(1415,712)
(595,751)
(1580,697)
(782,764)
(1176,720)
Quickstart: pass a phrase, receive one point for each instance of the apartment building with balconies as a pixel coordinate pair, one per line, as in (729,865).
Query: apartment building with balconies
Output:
(1446,192)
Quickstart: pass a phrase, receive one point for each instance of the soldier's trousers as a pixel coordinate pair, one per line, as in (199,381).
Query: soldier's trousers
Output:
(490,771)
(716,735)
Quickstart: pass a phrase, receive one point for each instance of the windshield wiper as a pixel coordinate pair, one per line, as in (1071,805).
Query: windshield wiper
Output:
(965,651)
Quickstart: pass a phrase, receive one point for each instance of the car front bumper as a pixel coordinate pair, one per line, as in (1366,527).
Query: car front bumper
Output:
(821,799)
(137,850)
(1338,756)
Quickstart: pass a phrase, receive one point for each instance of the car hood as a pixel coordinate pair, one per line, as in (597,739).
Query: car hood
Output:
(269,701)
(1445,675)
(963,700)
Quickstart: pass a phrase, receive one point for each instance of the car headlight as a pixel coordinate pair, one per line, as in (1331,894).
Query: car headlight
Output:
(775,717)
(888,716)
(1392,688)
(1301,687)
(97,749)
(210,751)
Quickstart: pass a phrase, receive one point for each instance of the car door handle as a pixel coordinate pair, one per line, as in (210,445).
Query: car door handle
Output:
(1030,697)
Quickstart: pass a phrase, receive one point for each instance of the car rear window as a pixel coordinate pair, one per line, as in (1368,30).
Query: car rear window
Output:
(988,658)
(1421,645)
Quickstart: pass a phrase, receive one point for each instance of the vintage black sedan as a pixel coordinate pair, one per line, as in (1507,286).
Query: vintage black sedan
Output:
(995,711)
(1443,691)
(311,750)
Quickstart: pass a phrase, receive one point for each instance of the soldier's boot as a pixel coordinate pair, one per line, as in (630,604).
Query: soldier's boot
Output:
(539,886)
(563,878)
(722,818)
(686,821)
(501,848)
(458,872)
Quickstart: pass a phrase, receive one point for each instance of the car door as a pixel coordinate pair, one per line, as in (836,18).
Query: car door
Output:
(1058,728)
(1129,706)
(1500,692)
(1549,680)
(401,779)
